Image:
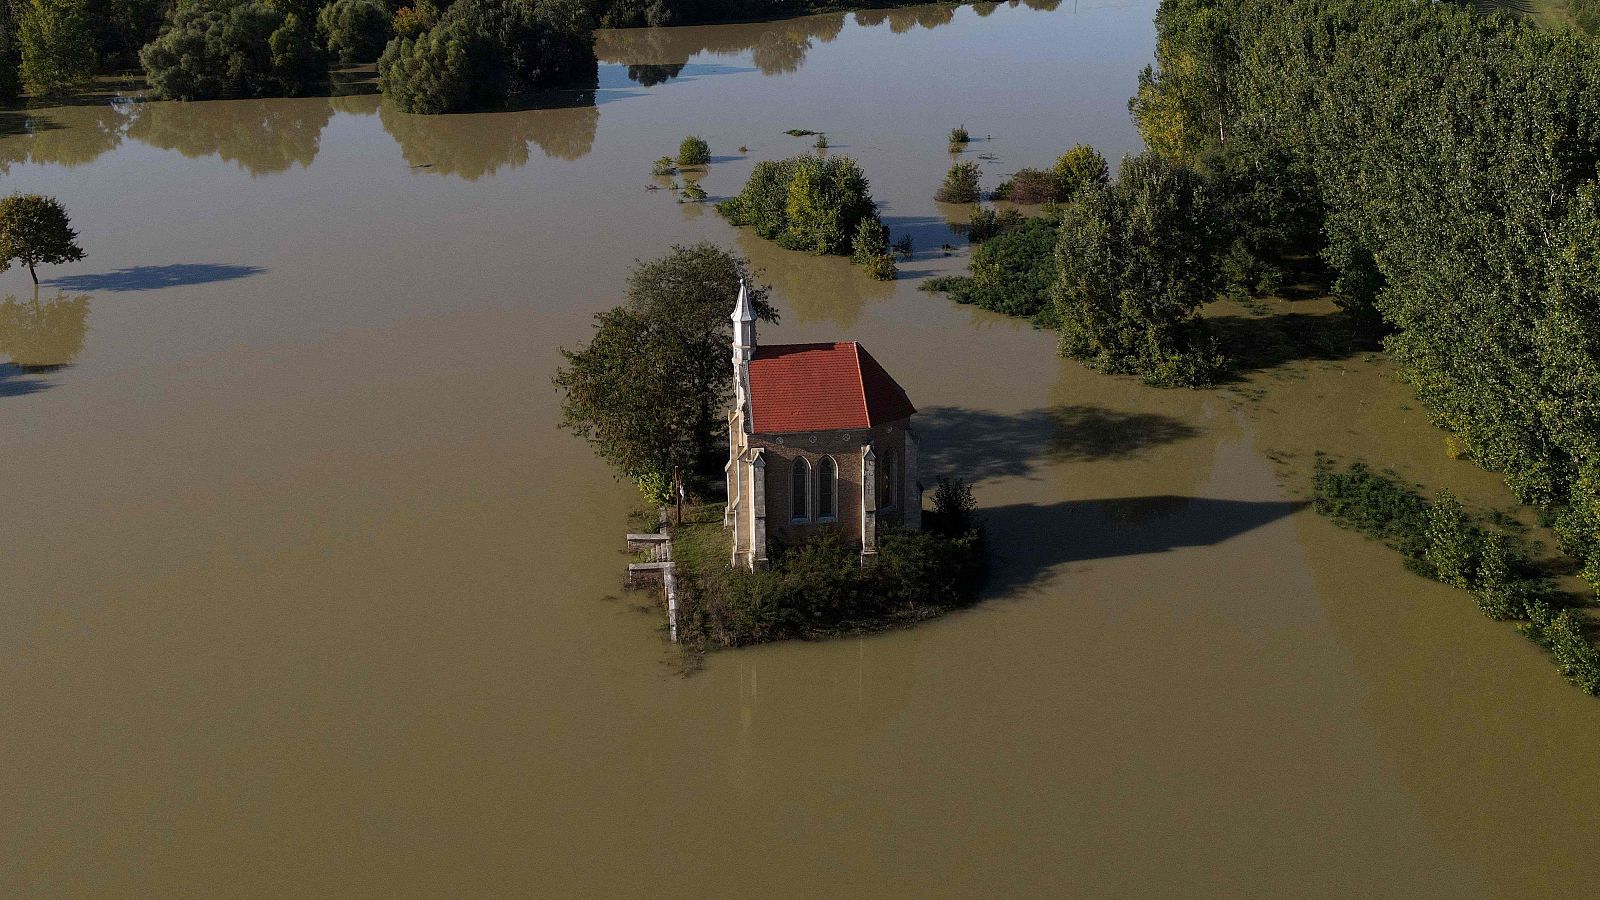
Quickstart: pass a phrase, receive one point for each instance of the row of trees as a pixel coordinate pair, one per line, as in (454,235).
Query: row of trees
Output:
(434,55)
(1449,164)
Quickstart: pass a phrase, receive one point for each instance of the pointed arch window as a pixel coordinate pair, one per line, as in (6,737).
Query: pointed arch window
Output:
(800,491)
(827,489)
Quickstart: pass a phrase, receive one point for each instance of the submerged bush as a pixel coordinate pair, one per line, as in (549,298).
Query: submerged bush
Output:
(813,204)
(489,53)
(1011,272)
(233,48)
(693,152)
(960,184)
(356,30)
(986,223)
(1442,541)
(1028,187)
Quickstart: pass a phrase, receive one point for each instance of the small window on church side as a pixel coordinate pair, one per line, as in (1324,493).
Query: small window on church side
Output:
(800,490)
(827,489)
(886,491)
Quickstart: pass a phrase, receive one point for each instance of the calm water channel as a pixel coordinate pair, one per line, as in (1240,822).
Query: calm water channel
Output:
(304,593)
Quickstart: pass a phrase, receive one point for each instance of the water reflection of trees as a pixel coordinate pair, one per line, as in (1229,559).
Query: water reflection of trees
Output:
(775,47)
(652,74)
(814,288)
(39,336)
(68,136)
(477,144)
(260,136)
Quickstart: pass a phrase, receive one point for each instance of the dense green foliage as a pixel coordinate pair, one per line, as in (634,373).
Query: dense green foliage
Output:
(35,230)
(693,151)
(1080,169)
(821,589)
(814,204)
(1452,159)
(484,54)
(1011,272)
(1134,265)
(649,388)
(960,184)
(55,41)
(355,30)
(244,48)
(1441,540)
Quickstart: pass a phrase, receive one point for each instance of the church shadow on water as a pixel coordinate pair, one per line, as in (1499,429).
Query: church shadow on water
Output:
(1028,539)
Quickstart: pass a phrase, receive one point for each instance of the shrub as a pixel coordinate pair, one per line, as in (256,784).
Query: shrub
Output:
(821,142)
(1078,170)
(664,167)
(356,30)
(986,223)
(489,53)
(219,48)
(958,135)
(1028,187)
(813,204)
(1011,273)
(1442,541)
(693,152)
(960,184)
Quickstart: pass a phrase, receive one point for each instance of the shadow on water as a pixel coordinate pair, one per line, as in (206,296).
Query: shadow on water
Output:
(977,444)
(1031,539)
(928,234)
(1260,343)
(150,278)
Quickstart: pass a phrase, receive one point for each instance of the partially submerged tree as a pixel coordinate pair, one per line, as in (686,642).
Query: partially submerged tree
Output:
(694,151)
(814,204)
(648,390)
(56,43)
(356,30)
(484,54)
(35,230)
(226,48)
(960,184)
(1134,264)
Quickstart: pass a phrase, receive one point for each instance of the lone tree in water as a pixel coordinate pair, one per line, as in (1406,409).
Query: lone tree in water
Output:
(34,229)
(648,390)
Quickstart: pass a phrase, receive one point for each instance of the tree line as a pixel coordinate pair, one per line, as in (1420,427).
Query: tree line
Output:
(433,56)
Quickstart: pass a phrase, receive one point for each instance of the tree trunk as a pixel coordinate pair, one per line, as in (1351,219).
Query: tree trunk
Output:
(34,274)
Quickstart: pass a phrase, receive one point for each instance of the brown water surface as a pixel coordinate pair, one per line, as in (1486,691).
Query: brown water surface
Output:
(304,593)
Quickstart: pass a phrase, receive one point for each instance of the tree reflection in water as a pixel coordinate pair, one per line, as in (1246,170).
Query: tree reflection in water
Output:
(472,145)
(69,136)
(41,336)
(260,136)
(775,47)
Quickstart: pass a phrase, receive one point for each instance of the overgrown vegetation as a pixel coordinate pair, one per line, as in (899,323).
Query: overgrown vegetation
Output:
(648,390)
(816,205)
(234,48)
(960,184)
(1441,540)
(356,30)
(484,54)
(1012,270)
(1449,166)
(821,589)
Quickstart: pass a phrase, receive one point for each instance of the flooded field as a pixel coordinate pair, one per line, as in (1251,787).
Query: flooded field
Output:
(304,593)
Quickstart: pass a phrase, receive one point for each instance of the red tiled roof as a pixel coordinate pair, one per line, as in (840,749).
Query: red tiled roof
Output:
(821,387)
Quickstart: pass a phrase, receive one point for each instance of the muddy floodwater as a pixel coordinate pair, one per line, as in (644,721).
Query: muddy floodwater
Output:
(303,593)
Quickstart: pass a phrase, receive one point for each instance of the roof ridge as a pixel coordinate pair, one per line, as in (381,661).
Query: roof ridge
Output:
(861,384)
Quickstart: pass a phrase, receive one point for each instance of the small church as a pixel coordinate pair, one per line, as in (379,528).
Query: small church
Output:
(819,435)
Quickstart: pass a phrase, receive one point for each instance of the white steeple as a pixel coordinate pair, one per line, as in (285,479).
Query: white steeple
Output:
(744,347)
